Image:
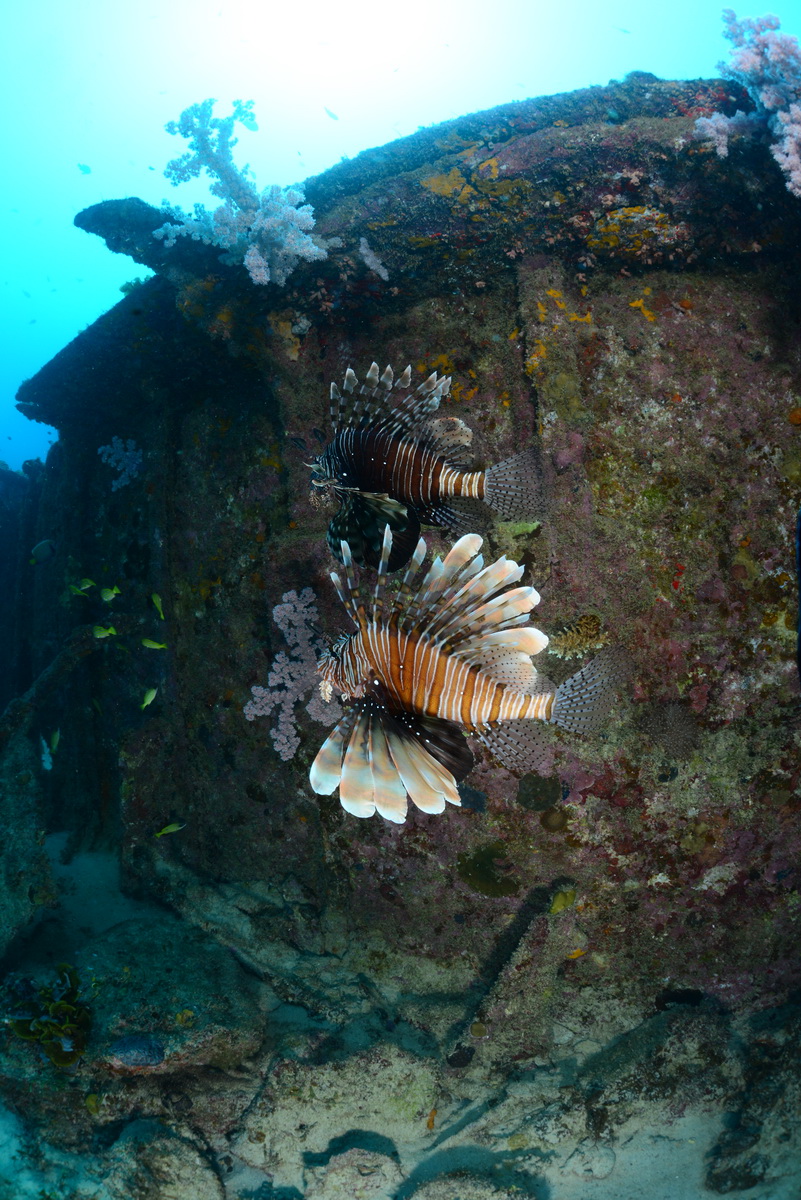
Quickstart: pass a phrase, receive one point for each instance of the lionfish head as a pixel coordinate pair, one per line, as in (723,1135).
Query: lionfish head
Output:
(323,482)
(330,668)
(323,474)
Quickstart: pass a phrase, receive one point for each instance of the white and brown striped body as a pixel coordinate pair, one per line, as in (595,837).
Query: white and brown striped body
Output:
(448,651)
(418,675)
(393,462)
(410,471)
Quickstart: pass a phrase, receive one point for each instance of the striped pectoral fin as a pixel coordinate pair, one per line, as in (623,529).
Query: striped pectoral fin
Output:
(356,791)
(378,758)
(428,783)
(326,770)
(344,762)
(361,522)
(430,755)
(443,740)
(389,790)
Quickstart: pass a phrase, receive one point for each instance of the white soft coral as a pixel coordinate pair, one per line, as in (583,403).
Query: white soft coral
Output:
(269,232)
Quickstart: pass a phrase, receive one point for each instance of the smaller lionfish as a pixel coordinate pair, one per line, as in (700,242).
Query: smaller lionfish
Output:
(390,463)
(447,653)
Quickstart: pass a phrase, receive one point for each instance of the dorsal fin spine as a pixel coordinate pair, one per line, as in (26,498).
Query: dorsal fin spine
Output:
(344,596)
(381,581)
(471,591)
(356,605)
(404,592)
(382,402)
(336,407)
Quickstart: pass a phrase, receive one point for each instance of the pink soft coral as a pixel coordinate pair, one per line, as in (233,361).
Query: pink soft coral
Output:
(768,65)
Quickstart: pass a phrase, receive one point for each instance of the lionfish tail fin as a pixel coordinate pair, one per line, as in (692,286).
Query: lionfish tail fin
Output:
(583,702)
(515,488)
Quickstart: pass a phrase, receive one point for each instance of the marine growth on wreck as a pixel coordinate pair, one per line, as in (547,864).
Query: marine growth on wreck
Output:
(245,606)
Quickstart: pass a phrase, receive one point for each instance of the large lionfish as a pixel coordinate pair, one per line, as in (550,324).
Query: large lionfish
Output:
(447,653)
(391,463)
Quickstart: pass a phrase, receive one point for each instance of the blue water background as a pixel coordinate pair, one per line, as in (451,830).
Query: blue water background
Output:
(90,85)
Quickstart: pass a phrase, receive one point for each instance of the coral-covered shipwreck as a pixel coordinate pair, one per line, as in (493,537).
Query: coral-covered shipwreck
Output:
(576,974)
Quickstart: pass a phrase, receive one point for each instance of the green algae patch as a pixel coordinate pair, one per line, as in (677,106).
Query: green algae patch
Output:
(519,528)
(482,871)
(562,900)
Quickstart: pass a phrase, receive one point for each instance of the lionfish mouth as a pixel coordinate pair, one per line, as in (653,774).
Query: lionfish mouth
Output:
(321,497)
(324,483)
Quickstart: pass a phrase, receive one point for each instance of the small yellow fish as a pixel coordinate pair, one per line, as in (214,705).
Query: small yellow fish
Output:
(92,1102)
(174,828)
(156,598)
(104,631)
(149,697)
(108,594)
(151,645)
(55,738)
(81,588)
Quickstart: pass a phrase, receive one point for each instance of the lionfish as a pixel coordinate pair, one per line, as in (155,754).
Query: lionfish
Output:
(391,462)
(447,653)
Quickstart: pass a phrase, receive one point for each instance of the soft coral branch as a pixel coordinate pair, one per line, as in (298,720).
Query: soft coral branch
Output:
(269,232)
(767,64)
